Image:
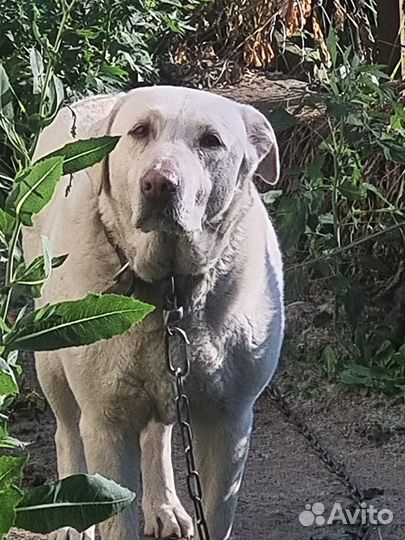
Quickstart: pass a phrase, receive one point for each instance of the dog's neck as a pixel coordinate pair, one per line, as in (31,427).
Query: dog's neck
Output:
(197,260)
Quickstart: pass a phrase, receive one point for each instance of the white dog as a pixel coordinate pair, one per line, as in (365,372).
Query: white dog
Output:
(175,197)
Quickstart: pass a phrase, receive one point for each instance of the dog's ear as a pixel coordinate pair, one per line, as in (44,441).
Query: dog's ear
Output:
(262,153)
(100,172)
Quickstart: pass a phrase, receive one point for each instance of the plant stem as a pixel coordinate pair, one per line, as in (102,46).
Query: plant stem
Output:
(10,268)
(50,69)
(335,184)
(340,250)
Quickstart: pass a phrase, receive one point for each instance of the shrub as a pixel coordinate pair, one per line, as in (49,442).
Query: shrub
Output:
(341,216)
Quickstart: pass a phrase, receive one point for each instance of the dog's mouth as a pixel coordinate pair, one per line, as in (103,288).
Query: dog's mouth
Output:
(164,219)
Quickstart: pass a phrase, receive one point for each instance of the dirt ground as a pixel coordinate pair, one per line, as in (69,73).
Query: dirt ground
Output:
(283,474)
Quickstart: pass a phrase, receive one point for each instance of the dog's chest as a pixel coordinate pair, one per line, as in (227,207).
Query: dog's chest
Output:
(139,374)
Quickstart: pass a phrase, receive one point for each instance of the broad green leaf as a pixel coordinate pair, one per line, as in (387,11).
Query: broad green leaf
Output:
(34,190)
(77,322)
(8,383)
(84,153)
(10,496)
(6,95)
(10,474)
(10,470)
(77,501)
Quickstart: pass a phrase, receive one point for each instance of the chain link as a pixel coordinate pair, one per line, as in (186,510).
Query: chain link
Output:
(336,468)
(179,368)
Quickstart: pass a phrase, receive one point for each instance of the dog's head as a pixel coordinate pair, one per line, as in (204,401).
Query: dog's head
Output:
(182,157)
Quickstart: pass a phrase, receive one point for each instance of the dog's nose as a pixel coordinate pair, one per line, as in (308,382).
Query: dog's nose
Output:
(158,185)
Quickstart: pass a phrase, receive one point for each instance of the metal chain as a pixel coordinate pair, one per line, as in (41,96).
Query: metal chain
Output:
(335,467)
(179,368)
(173,315)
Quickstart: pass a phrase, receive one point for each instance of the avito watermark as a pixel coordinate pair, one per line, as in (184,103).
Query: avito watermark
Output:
(314,514)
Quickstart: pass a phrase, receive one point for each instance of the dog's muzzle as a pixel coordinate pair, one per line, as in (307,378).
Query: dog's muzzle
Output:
(159,186)
(161,196)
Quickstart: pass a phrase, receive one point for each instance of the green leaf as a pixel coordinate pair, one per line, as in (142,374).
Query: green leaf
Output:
(6,441)
(77,501)
(292,215)
(37,68)
(3,327)
(9,498)
(10,474)
(315,169)
(281,119)
(77,322)
(331,43)
(271,196)
(359,375)
(337,109)
(8,383)
(394,152)
(29,280)
(35,189)
(352,190)
(82,154)
(10,470)
(56,97)
(47,253)
(6,95)
(7,222)
(329,357)
(11,443)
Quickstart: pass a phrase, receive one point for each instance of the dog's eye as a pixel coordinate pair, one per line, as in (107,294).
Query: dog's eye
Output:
(210,140)
(141,131)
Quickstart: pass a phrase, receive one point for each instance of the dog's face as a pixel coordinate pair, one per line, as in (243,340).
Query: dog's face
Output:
(182,157)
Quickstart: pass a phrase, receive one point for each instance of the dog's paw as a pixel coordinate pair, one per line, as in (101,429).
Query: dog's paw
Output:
(167,520)
(67,533)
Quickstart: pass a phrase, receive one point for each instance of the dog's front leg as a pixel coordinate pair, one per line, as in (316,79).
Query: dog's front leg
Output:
(164,514)
(222,443)
(112,450)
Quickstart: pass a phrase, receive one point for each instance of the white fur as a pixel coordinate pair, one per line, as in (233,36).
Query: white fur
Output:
(114,400)
(67,533)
